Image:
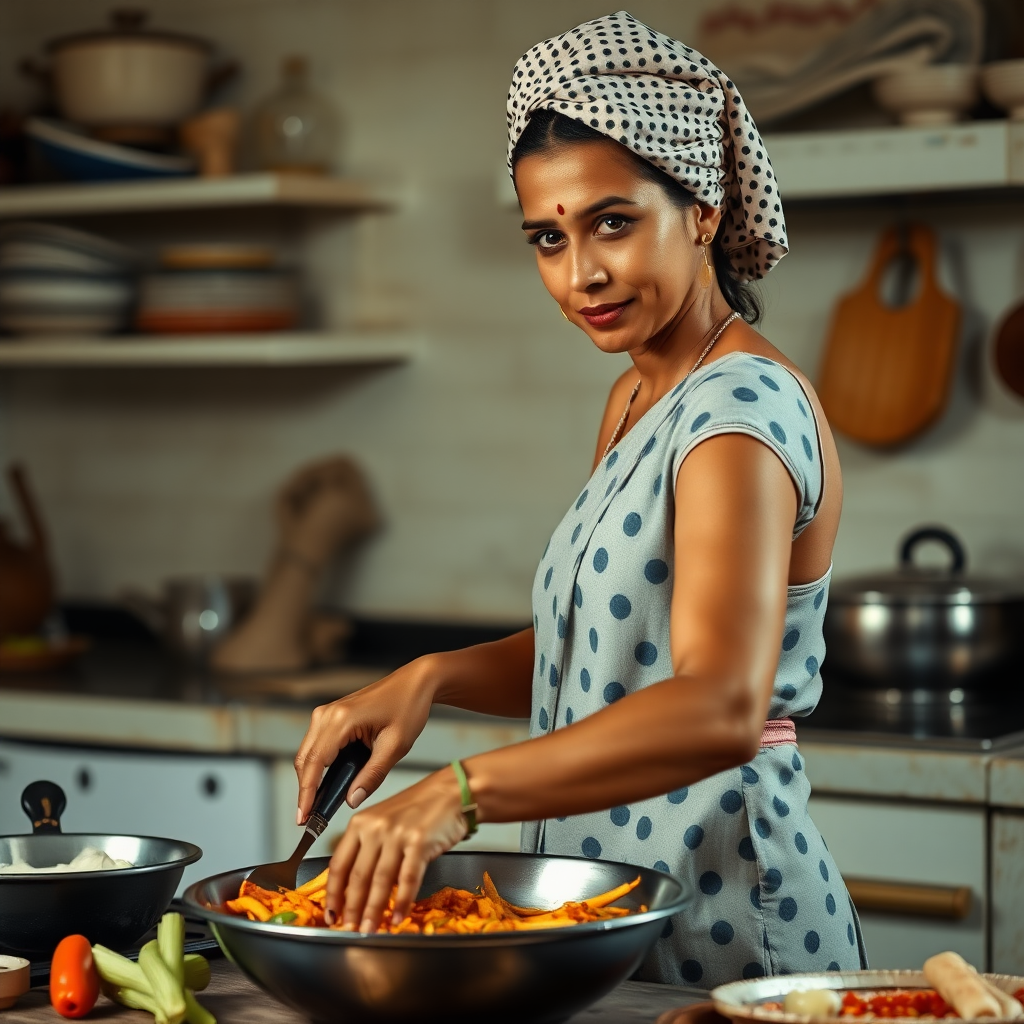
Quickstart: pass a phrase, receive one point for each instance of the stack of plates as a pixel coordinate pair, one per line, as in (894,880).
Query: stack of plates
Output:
(220,287)
(55,280)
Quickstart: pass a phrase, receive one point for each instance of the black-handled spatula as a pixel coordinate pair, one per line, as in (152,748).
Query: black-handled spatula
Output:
(330,795)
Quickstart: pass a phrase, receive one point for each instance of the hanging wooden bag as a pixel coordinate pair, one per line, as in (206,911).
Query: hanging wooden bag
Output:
(887,371)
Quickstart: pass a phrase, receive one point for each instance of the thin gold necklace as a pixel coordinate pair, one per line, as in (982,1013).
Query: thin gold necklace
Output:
(617,432)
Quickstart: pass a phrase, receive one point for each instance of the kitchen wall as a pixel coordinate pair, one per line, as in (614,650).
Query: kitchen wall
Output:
(477,446)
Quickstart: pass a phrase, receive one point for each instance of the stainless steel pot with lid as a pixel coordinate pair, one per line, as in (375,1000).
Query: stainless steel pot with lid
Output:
(946,631)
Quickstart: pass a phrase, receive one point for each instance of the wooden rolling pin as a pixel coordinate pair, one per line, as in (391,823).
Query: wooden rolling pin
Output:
(949,902)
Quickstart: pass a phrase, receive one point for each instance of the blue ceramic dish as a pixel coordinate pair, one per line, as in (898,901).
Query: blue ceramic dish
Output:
(79,158)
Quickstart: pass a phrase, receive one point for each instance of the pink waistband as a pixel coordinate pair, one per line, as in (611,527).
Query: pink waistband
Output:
(778,731)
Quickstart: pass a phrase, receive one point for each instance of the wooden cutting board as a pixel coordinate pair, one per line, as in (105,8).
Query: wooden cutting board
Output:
(887,371)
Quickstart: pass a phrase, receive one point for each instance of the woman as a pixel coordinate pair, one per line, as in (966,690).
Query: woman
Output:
(678,605)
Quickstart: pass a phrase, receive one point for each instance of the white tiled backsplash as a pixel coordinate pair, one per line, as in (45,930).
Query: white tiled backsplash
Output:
(477,447)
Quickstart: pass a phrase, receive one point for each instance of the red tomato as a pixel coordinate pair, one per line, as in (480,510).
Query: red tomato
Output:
(74,982)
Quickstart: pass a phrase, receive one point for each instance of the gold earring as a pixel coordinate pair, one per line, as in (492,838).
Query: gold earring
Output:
(707,270)
(562,311)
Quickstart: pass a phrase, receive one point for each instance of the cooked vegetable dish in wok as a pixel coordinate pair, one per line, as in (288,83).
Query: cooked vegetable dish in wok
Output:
(447,912)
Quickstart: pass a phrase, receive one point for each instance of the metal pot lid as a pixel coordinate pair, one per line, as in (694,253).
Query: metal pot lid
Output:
(913,584)
(129,23)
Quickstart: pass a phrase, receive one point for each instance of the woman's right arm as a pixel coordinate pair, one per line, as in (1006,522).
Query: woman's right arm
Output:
(494,679)
(389,715)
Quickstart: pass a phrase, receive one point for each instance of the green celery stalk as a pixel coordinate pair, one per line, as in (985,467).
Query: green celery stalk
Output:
(166,989)
(135,1000)
(118,970)
(196,1014)
(197,972)
(170,937)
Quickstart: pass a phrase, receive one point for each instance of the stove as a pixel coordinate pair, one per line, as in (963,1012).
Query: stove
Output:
(949,720)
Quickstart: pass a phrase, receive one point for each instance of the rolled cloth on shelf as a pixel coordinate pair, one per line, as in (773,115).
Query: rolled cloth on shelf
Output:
(670,105)
(788,57)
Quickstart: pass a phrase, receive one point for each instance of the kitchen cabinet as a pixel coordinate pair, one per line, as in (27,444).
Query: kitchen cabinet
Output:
(1007,892)
(920,844)
(218,803)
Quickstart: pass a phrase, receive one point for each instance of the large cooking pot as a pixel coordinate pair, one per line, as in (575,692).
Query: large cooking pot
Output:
(128,76)
(541,976)
(925,629)
(114,907)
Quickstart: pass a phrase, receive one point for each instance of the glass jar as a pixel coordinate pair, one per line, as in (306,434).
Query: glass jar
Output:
(296,129)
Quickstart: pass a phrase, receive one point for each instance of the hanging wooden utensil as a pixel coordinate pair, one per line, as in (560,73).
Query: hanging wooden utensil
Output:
(887,370)
(26,580)
(1009,350)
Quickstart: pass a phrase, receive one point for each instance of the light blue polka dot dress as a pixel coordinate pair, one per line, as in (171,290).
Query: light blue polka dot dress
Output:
(769,899)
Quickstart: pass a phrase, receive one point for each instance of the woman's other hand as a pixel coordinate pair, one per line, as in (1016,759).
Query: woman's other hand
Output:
(387,716)
(392,843)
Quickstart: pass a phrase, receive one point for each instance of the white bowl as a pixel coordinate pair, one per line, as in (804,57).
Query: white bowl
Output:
(1003,82)
(932,94)
(73,325)
(38,302)
(15,980)
(28,245)
(64,291)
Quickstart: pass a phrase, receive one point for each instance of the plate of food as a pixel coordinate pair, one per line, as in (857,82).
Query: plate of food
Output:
(947,988)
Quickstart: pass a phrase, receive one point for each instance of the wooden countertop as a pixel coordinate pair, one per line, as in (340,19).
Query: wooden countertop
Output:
(233,999)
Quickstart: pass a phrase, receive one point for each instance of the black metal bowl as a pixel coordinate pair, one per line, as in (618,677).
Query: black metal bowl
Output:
(541,976)
(114,907)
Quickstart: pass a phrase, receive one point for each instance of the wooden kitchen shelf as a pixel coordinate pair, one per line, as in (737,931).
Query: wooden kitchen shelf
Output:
(977,155)
(295,348)
(239,190)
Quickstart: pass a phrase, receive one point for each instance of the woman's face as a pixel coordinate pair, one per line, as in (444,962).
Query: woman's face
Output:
(619,258)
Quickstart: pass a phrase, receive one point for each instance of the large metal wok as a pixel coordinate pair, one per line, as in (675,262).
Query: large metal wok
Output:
(112,907)
(538,976)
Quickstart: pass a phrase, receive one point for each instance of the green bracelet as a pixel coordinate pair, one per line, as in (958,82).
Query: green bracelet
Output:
(468,806)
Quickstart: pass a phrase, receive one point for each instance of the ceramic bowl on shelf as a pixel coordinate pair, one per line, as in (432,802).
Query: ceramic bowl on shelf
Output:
(933,94)
(78,157)
(57,280)
(1003,84)
(217,256)
(50,302)
(201,301)
(37,246)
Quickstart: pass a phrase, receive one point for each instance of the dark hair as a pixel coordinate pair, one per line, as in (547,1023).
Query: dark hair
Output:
(547,129)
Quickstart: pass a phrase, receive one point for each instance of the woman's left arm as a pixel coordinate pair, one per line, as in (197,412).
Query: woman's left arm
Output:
(735,509)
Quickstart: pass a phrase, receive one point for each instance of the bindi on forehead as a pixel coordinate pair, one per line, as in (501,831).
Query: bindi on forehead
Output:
(560,208)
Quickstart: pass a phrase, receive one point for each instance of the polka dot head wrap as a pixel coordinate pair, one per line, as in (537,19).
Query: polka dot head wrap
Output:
(670,105)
